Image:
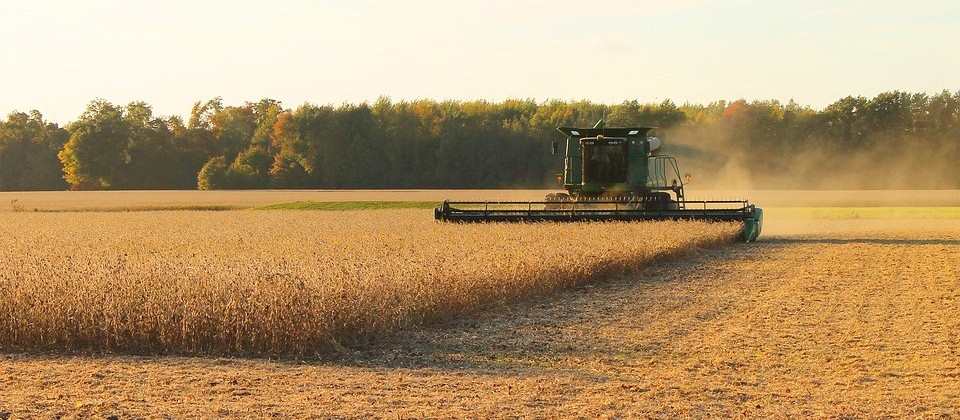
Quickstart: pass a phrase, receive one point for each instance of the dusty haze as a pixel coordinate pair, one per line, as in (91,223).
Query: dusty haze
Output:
(717,160)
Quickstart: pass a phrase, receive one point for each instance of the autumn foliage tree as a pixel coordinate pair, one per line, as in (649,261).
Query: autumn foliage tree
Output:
(895,139)
(28,153)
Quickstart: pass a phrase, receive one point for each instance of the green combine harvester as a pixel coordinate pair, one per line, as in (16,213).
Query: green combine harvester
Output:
(611,174)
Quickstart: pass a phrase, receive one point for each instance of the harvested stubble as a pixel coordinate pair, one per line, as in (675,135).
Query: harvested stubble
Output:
(287,283)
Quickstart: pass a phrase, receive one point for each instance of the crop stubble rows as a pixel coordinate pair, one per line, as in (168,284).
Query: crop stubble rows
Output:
(287,283)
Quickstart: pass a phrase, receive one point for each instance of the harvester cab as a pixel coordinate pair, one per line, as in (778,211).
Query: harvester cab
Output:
(619,163)
(611,174)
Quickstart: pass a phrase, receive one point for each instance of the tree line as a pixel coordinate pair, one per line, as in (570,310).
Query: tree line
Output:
(893,140)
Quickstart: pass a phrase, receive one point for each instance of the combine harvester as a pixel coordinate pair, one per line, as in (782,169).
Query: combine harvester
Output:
(612,174)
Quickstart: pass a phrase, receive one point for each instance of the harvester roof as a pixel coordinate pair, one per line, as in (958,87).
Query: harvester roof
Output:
(606,131)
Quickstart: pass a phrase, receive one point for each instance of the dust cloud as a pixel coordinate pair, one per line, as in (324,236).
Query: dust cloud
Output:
(719,160)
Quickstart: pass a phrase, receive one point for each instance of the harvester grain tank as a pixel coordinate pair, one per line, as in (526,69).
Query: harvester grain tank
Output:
(612,174)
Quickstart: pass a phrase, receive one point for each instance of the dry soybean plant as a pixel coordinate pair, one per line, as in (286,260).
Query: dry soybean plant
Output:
(281,283)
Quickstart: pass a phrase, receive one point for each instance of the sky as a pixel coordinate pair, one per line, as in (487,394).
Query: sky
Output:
(57,56)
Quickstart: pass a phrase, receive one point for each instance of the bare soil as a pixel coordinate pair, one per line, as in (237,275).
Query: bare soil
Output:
(856,318)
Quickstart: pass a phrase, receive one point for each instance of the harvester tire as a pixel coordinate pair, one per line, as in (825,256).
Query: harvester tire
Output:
(659,201)
(559,199)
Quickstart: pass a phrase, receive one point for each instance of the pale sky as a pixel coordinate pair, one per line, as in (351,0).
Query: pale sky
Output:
(56,56)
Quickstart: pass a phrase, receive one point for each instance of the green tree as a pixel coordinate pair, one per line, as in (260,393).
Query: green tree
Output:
(213,175)
(148,157)
(28,153)
(93,157)
(251,169)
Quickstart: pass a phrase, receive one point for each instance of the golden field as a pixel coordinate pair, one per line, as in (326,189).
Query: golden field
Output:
(842,313)
(226,200)
(852,319)
(231,200)
(271,283)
